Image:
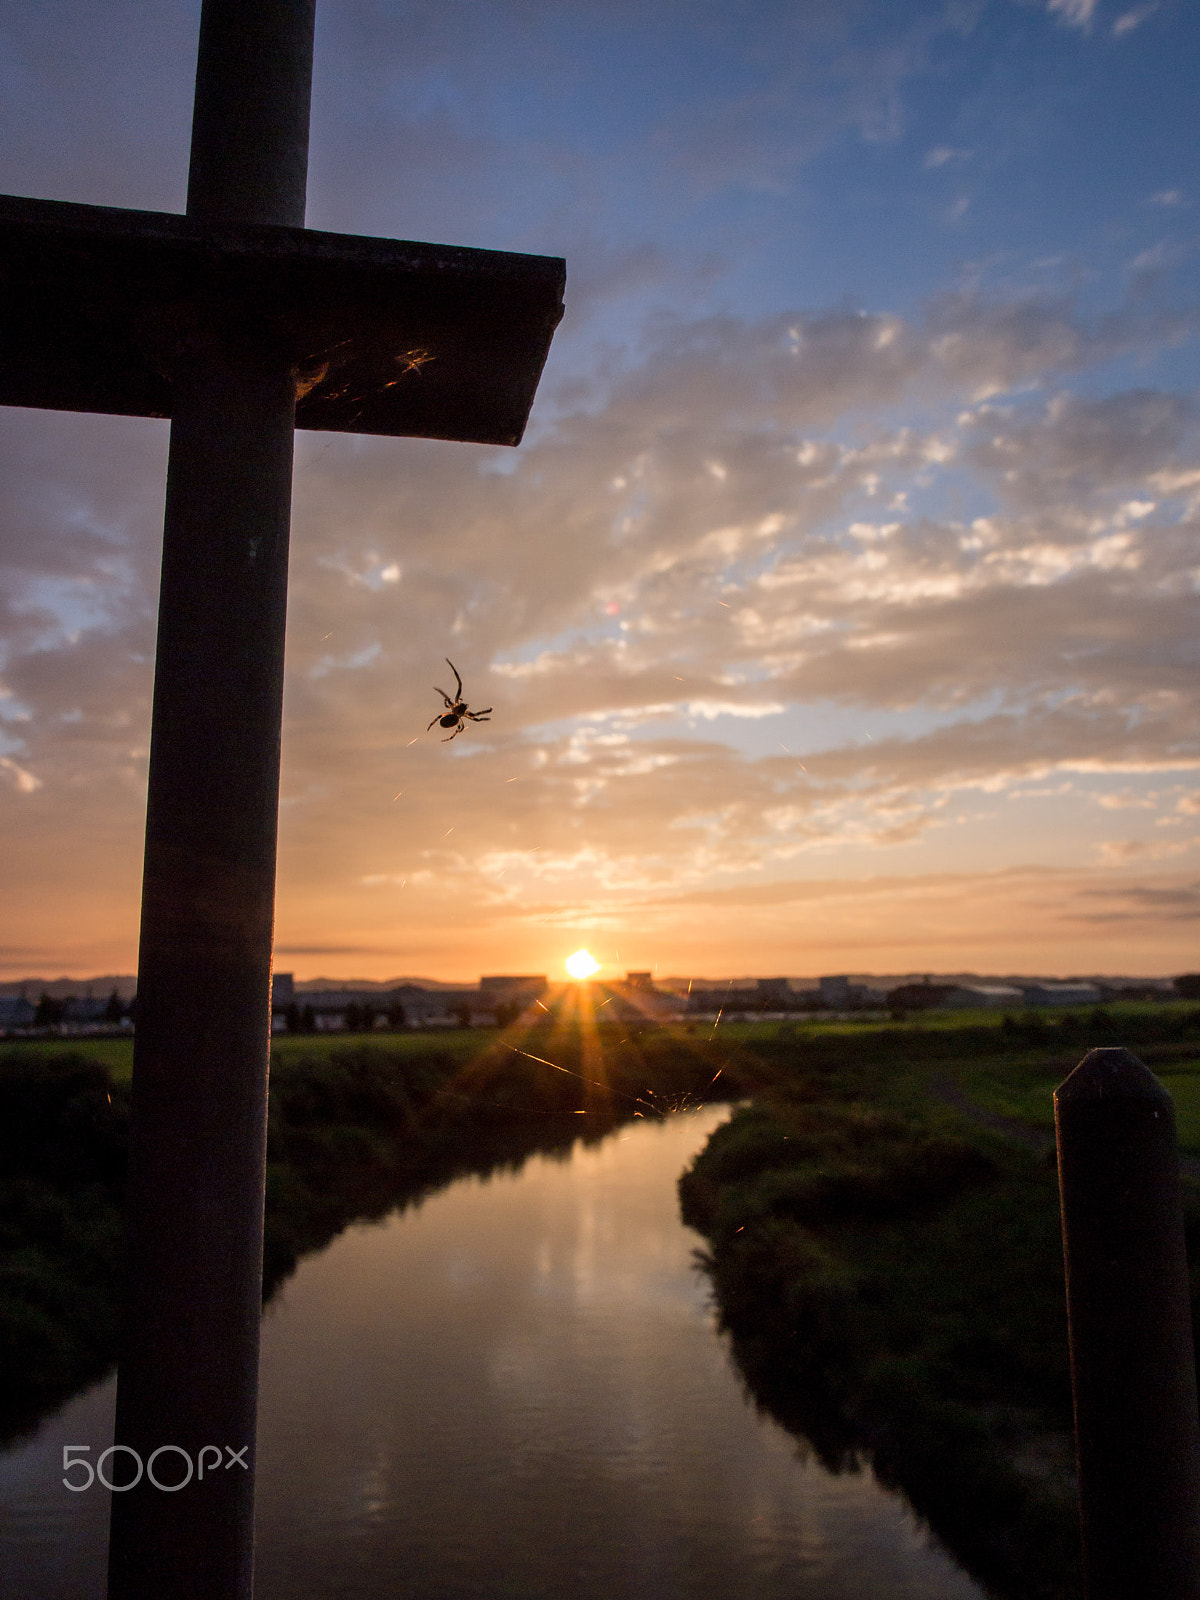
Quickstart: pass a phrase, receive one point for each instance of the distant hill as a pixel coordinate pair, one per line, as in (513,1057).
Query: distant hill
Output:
(125,983)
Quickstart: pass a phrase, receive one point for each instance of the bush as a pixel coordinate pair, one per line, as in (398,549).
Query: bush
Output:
(894,1287)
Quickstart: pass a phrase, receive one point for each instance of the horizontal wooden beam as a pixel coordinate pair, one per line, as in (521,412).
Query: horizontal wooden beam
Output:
(101,309)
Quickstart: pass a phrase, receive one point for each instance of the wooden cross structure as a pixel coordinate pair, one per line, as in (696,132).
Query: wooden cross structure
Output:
(239,325)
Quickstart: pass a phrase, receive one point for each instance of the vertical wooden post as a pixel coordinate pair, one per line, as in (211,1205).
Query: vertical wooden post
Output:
(1132,1365)
(188,1374)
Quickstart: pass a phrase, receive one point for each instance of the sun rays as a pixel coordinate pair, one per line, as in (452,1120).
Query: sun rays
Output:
(607,1037)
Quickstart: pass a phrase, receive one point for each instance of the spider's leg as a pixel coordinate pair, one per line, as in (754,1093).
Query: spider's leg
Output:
(479,716)
(455,734)
(444,696)
(454,670)
(438,718)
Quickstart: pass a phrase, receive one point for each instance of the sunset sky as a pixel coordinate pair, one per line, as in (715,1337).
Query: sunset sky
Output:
(839,611)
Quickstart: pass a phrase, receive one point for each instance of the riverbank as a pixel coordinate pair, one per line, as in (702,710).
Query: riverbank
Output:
(357,1128)
(889,1269)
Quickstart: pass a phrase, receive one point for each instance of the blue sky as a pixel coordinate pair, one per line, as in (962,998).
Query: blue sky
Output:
(850,559)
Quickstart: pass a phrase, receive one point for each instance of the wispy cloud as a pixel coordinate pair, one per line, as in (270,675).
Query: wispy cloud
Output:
(22,780)
(1129,20)
(943,154)
(1078,13)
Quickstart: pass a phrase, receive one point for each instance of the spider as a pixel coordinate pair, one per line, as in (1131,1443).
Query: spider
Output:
(456,709)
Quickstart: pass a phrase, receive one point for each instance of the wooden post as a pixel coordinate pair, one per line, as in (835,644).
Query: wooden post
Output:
(1132,1365)
(188,1374)
(217,320)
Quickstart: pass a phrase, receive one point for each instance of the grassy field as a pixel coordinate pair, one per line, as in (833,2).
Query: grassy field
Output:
(1019,1098)
(890,1271)
(117,1054)
(1021,1087)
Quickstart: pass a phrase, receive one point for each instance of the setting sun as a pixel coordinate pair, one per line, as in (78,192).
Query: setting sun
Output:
(582,964)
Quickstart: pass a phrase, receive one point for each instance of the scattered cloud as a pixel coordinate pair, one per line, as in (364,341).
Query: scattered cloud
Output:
(1126,799)
(23,781)
(1142,903)
(783,587)
(1120,851)
(1051,635)
(324,949)
(1078,13)
(1129,20)
(943,154)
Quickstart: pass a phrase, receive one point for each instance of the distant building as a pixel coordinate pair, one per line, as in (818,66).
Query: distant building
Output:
(421,1006)
(329,1006)
(410,1006)
(319,1000)
(506,988)
(329,1010)
(839,994)
(283,990)
(87,1009)
(980,997)
(635,999)
(1062,994)
(922,996)
(16,1012)
(776,998)
(1162,990)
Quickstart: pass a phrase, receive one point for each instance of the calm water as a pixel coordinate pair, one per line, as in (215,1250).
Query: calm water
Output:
(515,1390)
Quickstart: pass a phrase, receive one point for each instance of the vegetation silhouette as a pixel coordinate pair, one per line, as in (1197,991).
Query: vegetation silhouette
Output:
(889,1273)
(355,1131)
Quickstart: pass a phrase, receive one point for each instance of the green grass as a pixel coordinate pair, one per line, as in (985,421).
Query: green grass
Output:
(1183,1085)
(951,1021)
(1021,1088)
(115,1054)
(460,1043)
(1019,1085)
(463,1044)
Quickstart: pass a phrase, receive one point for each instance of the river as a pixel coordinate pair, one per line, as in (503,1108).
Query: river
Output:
(514,1391)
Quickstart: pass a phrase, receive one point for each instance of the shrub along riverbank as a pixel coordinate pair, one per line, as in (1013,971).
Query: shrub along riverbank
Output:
(890,1274)
(356,1128)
